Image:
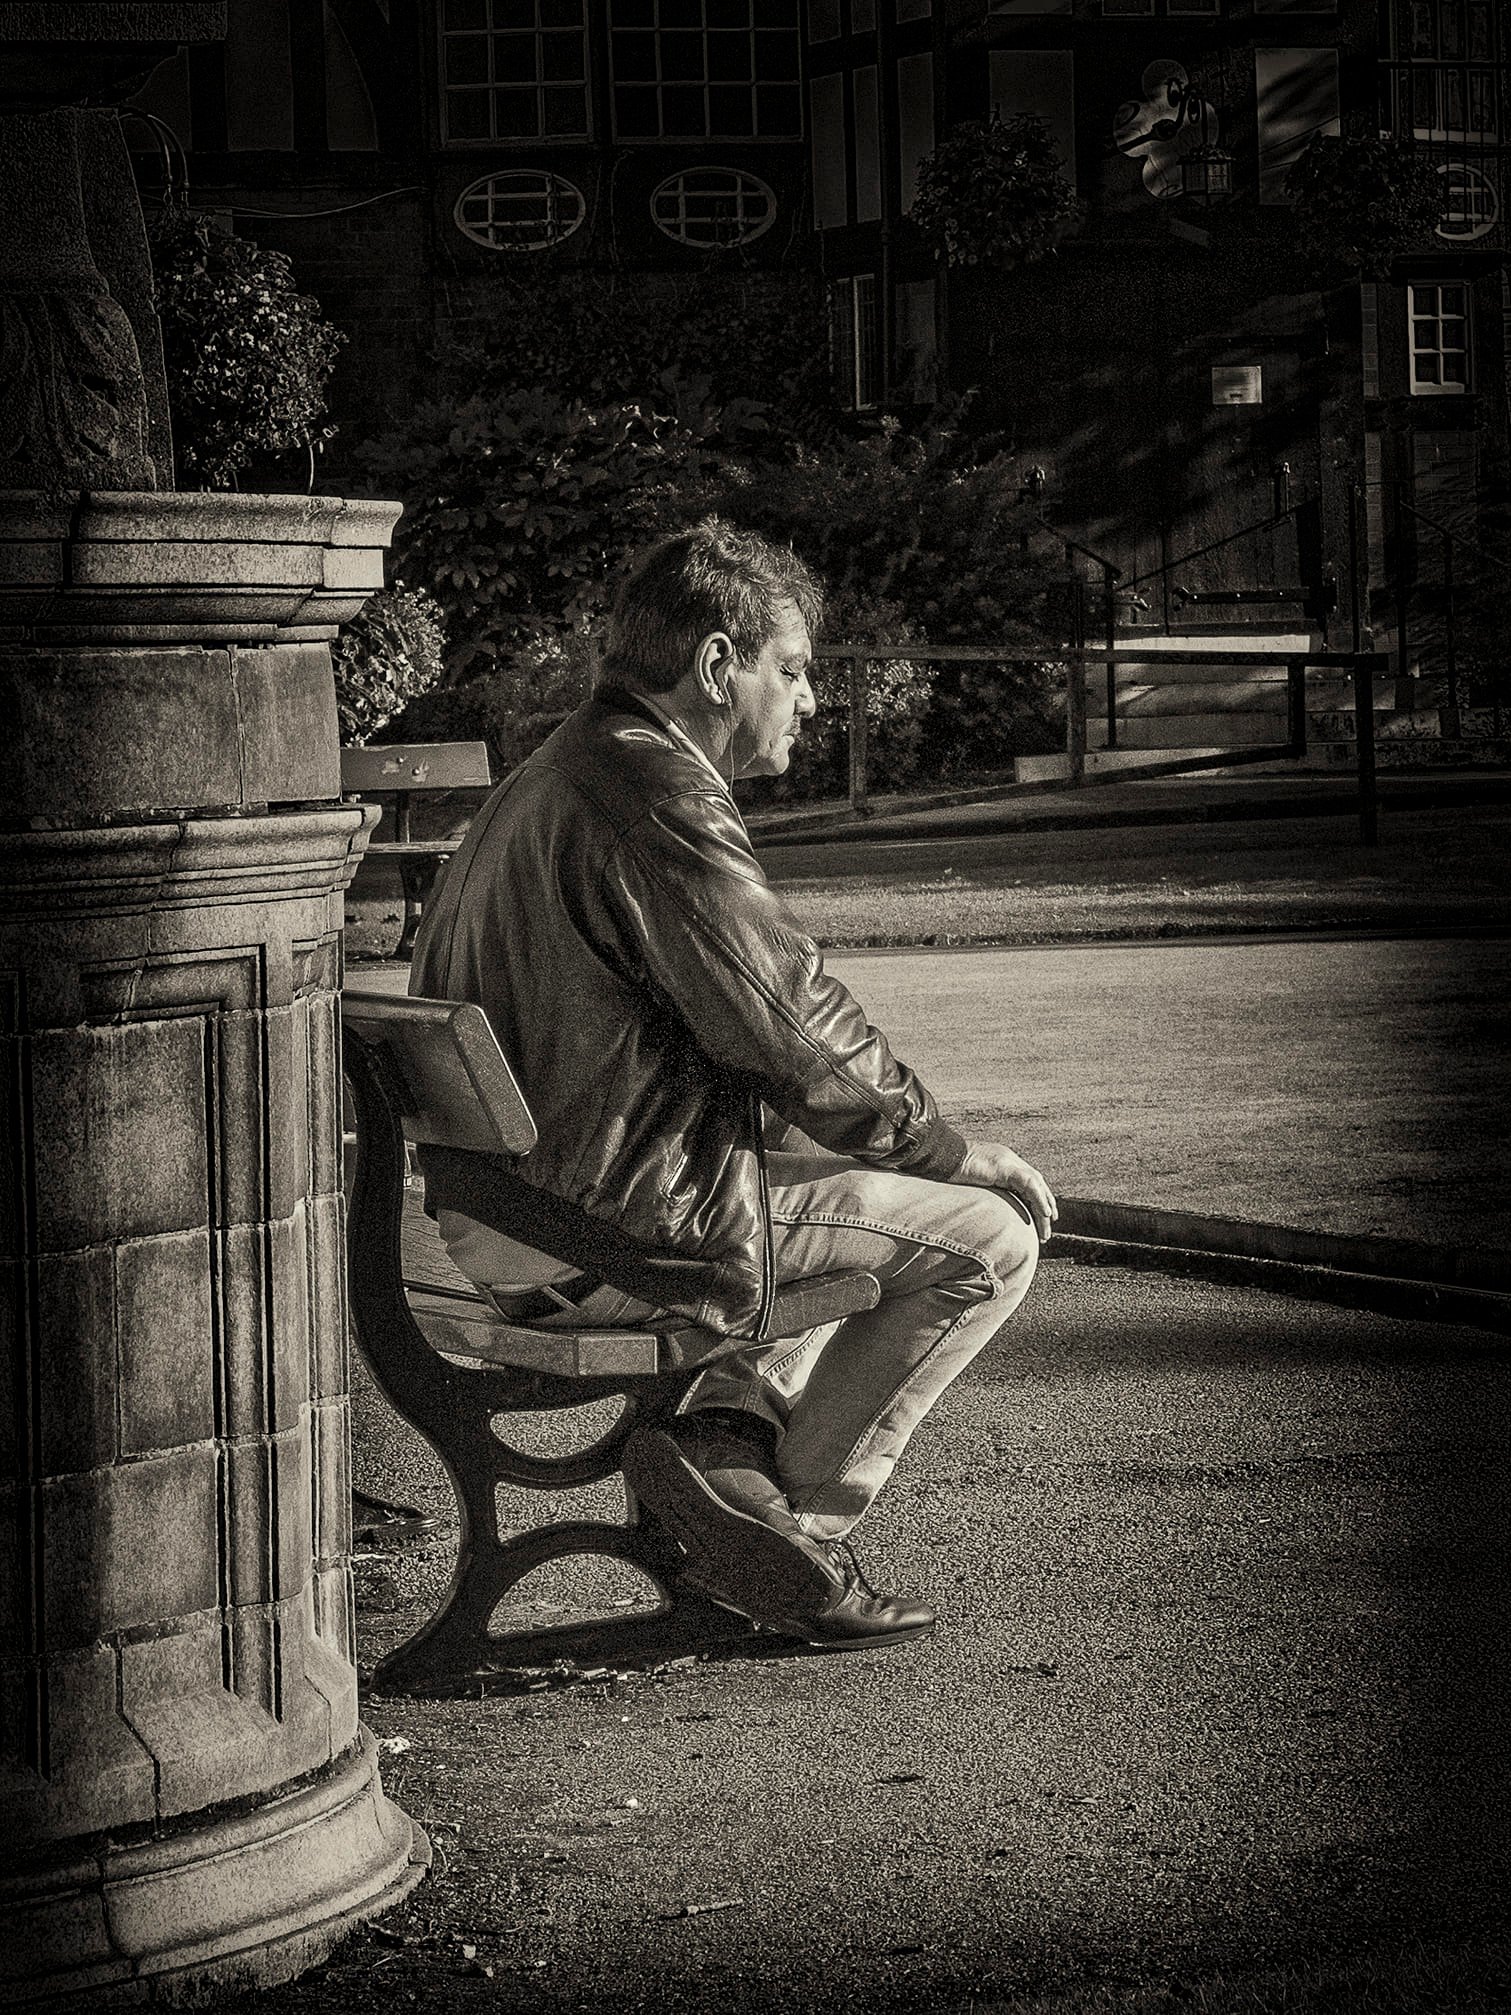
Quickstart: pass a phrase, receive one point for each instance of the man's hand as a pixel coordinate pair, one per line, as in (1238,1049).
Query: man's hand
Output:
(987,1166)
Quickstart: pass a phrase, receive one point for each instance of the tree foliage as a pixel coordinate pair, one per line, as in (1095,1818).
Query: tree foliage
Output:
(522,506)
(248,356)
(1363,199)
(740,337)
(994,195)
(519,506)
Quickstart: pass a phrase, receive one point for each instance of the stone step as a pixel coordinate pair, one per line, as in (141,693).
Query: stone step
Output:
(1099,762)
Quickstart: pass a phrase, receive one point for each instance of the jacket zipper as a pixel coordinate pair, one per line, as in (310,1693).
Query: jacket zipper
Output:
(768,1243)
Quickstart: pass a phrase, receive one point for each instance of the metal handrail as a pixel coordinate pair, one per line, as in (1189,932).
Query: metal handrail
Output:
(1458,538)
(1215,545)
(1363,665)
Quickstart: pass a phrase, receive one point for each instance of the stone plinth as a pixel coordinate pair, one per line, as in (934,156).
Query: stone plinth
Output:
(188,1792)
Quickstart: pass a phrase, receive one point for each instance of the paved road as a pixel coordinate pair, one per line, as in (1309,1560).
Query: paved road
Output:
(1357,1087)
(1219,1688)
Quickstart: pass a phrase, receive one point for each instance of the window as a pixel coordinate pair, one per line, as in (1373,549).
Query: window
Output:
(867,145)
(523,210)
(713,206)
(826,107)
(1113,10)
(1296,97)
(916,358)
(915,120)
(1452,69)
(855,341)
(706,69)
(514,70)
(1471,202)
(1439,328)
(1040,82)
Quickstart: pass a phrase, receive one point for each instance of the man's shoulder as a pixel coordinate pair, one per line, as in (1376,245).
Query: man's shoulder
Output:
(621,757)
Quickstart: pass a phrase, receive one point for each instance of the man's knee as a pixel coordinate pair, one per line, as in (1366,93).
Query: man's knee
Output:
(1009,1243)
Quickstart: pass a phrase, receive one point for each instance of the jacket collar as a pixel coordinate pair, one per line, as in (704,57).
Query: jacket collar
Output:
(625,699)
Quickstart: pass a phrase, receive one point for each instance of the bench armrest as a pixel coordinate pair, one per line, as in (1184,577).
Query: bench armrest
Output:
(825,1298)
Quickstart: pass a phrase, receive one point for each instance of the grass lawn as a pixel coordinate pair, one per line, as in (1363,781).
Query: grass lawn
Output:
(1443,869)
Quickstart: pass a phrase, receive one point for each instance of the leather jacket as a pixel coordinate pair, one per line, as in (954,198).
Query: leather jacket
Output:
(608,913)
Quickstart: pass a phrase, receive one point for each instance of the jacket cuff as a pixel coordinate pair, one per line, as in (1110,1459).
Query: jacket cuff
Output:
(939,1154)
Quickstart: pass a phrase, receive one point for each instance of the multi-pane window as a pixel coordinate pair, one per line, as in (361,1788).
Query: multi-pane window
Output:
(1123,9)
(708,207)
(1439,336)
(705,69)
(855,341)
(522,210)
(1452,72)
(514,69)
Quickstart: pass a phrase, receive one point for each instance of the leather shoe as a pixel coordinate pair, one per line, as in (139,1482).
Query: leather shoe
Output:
(858,1617)
(720,1500)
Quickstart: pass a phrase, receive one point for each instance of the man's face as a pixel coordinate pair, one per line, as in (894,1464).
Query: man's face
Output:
(770,698)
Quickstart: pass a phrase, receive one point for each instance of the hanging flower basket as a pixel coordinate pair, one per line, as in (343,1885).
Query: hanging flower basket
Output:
(1361,200)
(994,196)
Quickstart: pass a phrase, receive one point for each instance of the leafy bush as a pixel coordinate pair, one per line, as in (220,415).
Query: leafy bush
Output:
(248,356)
(732,338)
(521,506)
(386,658)
(1362,200)
(994,195)
(918,537)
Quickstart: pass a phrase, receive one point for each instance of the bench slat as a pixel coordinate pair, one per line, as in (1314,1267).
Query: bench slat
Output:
(476,1332)
(414,850)
(416,766)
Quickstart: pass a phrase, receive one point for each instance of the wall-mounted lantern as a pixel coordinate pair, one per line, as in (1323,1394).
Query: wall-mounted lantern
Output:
(1207,175)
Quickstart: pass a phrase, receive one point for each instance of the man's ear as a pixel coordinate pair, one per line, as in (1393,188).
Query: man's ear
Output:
(713,662)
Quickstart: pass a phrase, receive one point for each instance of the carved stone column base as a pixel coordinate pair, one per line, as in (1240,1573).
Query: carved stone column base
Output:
(244,1900)
(187,1792)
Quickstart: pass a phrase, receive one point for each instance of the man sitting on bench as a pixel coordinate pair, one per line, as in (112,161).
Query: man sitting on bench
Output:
(658,1006)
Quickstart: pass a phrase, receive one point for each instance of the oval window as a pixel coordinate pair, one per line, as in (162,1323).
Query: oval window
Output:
(713,206)
(520,210)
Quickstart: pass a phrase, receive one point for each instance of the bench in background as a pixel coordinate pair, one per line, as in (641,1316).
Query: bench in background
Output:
(431,1071)
(393,775)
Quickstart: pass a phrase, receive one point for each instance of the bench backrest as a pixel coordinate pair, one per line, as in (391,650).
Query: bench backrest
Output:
(456,1085)
(416,766)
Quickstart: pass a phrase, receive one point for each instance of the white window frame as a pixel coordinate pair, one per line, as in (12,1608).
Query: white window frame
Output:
(855,308)
(675,207)
(564,208)
(1424,309)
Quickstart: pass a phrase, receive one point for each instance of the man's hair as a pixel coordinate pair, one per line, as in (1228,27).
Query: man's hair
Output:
(711,577)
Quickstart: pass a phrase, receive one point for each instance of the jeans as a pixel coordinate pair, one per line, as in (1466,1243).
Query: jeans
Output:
(953,1263)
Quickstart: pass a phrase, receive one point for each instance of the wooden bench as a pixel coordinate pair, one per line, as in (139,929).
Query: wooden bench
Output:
(394,774)
(432,1072)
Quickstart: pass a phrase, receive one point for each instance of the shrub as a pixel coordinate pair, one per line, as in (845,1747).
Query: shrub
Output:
(248,356)
(385,659)
(519,506)
(732,338)
(1361,200)
(994,195)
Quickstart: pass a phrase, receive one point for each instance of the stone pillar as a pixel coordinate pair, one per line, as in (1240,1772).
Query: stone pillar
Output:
(188,1793)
